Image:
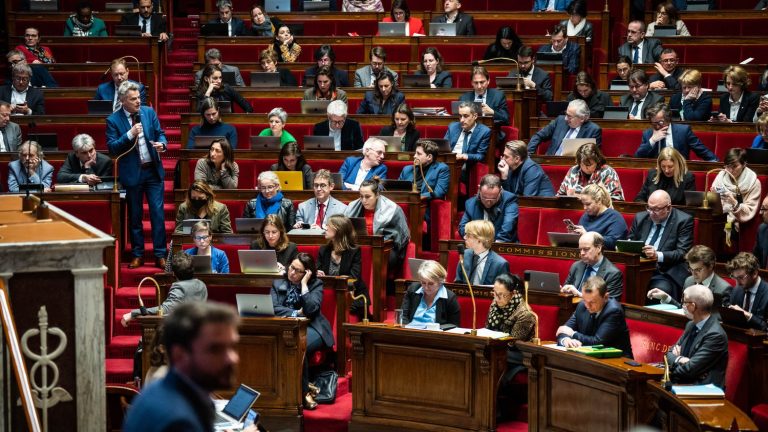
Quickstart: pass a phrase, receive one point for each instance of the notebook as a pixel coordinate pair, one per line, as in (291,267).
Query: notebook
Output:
(414,80)
(314,107)
(442,29)
(265,143)
(291,180)
(391,29)
(258,261)
(317,142)
(265,79)
(202,264)
(248,225)
(541,281)
(100,107)
(231,417)
(561,239)
(250,305)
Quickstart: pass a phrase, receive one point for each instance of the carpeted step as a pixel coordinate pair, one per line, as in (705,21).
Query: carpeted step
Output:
(330,418)
(176,107)
(133,328)
(169,210)
(119,371)
(127,297)
(169,226)
(122,347)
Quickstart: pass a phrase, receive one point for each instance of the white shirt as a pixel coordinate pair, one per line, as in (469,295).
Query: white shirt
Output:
(142,144)
(19,98)
(3,148)
(640,103)
(459,148)
(735,105)
(639,52)
(336,134)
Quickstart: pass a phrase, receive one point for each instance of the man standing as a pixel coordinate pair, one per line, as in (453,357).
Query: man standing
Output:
(751,293)
(560,44)
(464,24)
(366,75)
(663,133)
(316,211)
(496,205)
(10,132)
(522,175)
(152,24)
(574,124)
(638,48)
(108,90)
(492,101)
(235,26)
(84,164)
(700,356)
(135,131)
(592,263)
(701,263)
(346,133)
(213,58)
(24,99)
(667,72)
(533,77)
(639,98)
(200,340)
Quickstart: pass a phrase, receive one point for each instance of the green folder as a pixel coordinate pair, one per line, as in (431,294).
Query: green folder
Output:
(598,351)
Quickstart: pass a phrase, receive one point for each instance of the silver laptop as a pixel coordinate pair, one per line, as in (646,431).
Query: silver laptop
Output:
(273,6)
(100,107)
(665,31)
(314,106)
(393,143)
(540,281)
(248,225)
(619,84)
(258,261)
(318,142)
(391,29)
(234,412)
(561,239)
(204,141)
(570,145)
(202,264)
(250,305)
(265,143)
(265,79)
(442,29)
(616,113)
(414,264)
(187,224)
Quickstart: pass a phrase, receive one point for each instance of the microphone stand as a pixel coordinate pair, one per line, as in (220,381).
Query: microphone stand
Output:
(414,187)
(351,288)
(536,340)
(517,68)
(143,309)
(421,170)
(461,249)
(666,382)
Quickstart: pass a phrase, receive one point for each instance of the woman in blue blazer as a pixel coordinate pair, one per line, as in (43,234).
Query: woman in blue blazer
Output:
(693,104)
(371,163)
(480,262)
(384,98)
(203,238)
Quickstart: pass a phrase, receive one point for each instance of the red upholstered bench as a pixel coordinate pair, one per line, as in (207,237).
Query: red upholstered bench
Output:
(551,220)
(760,416)
(617,142)
(727,141)
(528,225)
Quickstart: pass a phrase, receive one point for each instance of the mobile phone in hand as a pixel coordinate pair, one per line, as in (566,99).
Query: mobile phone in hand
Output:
(569,224)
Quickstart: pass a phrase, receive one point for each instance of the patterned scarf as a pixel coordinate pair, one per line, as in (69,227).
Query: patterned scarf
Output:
(500,317)
(39,52)
(293,300)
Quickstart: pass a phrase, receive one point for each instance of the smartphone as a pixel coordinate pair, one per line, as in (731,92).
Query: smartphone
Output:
(305,226)
(715,114)
(632,363)
(568,223)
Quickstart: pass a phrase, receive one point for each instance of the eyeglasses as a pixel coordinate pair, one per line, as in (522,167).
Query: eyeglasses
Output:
(740,278)
(21,78)
(695,269)
(500,295)
(295,269)
(656,210)
(269,188)
(320,185)
(659,123)
(201,238)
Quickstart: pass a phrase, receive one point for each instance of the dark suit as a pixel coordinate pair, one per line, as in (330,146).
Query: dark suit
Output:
(238,26)
(556,130)
(437,176)
(494,99)
(494,266)
(759,308)
(342,80)
(35,98)
(464,24)
(349,265)
(721,292)
(571,56)
(683,140)
(692,110)
(749,104)
(411,136)
(651,51)
(310,304)
(610,328)
(156,22)
(670,81)
(761,245)
(477,145)
(72,169)
(447,311)
(443,79)
(676,193)
(503,216)
(651,98)
(11,136)
(529,179)
(106,91)
(140,181)
(351,134)
(369,105)
(543,83)
(708,356)
(610,274)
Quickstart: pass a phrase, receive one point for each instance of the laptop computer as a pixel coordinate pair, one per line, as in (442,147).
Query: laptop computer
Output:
(291,180)
(570,145)
(561,239)
(314,107)
(616,113)
(757,156)
(234,412)
(397,185)
(413,80)
(619,84)
(225,107)
(630,246)
(413,265)
(258,261)
(318,142)
(442,29)
(100,107)
(202,264)
(265,143)
(443,145)
(48,141)
(248,225)
(508,82)
(541,281)
(127,30)
(204,141)
(228,77)
(316,5)
(43,5)
(544,58)
(265,79)
(273,6)
(721,86)
(455,107)
(393,143)
(697,5)
(359,224)
(214,29)
(250,305)
(733,317)
(391,29)
(187,224)
(118,7)
(665,31)
(556,108)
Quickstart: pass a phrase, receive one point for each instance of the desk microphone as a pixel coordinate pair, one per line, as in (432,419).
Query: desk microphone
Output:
(461,248)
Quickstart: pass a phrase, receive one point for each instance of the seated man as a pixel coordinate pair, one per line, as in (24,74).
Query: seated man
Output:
(84,164)
(701,263)
(533,77)
(83,23)
(522,175)
(108,90)
(493,102)
(751,293)
(432,177)
(496,205)
(574,124)
(213,57)
(700,356)
(592,263)
(464,24)
(10,132)
(30,168)
(560,44)
(468,138)
(24,99)
(235,26)
(638,48)
(639,98)
(346,133)
(667,72)
(597,320)
(668,236)
(366,75)
(316,211)
(41,77)
(152,24)
(663,133)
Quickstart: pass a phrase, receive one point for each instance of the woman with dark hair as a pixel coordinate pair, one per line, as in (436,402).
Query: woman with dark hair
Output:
(404,126)
(274,237)
(341,256)
(325,57)
(324,87)
(212,86)
(507,44)
(219,170)
(268,61)
(261,23)
(584,88)
(401,13)
(384,98)
(671,174)
(201,204)
(577,24)
(270,200)
(667,15)
(300,294)
(591,167)
(284,47)
(291,159)
(202,235)
(623,68)
(739,189)
(432,65)
(211,124)
(277,119)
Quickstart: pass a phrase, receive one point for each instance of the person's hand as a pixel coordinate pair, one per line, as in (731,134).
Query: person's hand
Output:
(288,41)
(320,273)
(578,229)
(729,199)
(660,69)
(281,268)
(657,85)
(650,252)
(723,118)
(211,87)
(462,156)
(127,317)
(36,61)
(570,191)
(747,315)
(432,85)
(305,279)
(693,94)
(631,117)
(657,294)
(676,350)
(565,330)
(763,107)
(163,37)
(137,129)
(659,21)
(160,147)
(683,360)
(315,226)
(487,110)
(91,179)
(20,108)
(570,289)
(529,84)
(570,343)
(503,169)
(660,134)
(297,225)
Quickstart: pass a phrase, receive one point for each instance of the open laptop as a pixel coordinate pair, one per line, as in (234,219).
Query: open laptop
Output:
(317,5)
(359,224)
(228,77)
(541,281)
(508,82)
(391,29)
(234,412)
(248,225)
(443,145)
(544,58)
(697,5)
(204,141)
(127,30)
(665,31)
(48,141)
(570,145)
(733,317)
(414,80)
(318,142)
(757,156)
(314,107)
(258,261)
(616,113)
(619,84)
(413,265)
(202,264)
(442,29)
(265,79)
(100,107)
(561,239)
(630,246)
(214,29)
(394,143)
(265,143)
(291,180)
(187,224)
(250,305)
(277,6)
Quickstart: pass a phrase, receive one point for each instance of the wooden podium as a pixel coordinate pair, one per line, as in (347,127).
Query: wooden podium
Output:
(421,380)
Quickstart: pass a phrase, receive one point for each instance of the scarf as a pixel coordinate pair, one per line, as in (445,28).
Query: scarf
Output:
(264,29)
(39,52)
(293,300)
(500,317)
(266,206)
(574,30)
(743,183)
(84,28)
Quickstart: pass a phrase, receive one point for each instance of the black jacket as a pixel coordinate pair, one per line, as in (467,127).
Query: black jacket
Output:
(447,311)
(351,133)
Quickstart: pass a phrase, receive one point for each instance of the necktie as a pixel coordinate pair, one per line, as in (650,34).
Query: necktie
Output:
(117,104)
(473,271)
(592,325)
(635,107)
(466,141)
(587,274)
(655,236)
(688,345)
(636,56)
(320,214)
(143,25)
(747,300)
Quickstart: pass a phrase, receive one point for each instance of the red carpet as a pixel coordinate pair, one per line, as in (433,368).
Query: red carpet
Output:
(330,418)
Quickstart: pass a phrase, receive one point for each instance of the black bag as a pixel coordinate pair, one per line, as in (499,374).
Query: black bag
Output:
(326,381)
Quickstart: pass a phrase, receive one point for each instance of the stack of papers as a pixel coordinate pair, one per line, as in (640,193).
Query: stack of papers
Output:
(706,391)
(484,332)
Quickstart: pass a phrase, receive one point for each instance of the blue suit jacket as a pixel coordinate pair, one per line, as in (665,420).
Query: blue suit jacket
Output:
(18,175)
(556,131)
(759,318)
(477,146)
(437,175)
(571,55)
(693,110)
(529,180)
(118,143)
(370,106)
(351,166)
(219,260)
(561,5)
(611,329)
(683,139)
(494,266)
(106,91)
(494,99)
(504,216)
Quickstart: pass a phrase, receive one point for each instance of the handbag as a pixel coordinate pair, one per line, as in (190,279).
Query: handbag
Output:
(326,381)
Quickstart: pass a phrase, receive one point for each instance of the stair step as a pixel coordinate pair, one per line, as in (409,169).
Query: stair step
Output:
(133,329)
(119,371)
(122,347)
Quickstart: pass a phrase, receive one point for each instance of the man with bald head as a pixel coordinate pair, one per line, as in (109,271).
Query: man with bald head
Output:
(593,263)
(668,236)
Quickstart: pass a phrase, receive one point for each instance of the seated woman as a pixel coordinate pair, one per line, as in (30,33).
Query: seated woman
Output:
(356,169)
(667,15)
(577,24)
(82,23)
(270,200)
(404,126)
(599,216)
(506,45)
(623,68)
(212,85)
(430,301)
(284,47)
(261,23)
(761,140)
(362,6)
(268,61)
(203,237)
(219,170)
(291,159)
(384,98)
(737,82)
(432,65)
(300,294)
(324,87)
(400,12)
(277,119)
(693,103)
(341,257)
(274,237)
(671,174)
(584,88)
(30,167)
(591,167)
(324,56)
(211,124)
(739,190)
(480,262)
(201,204)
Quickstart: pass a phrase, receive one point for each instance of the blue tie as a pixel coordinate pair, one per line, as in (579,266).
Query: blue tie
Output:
(655,235)
(635,107)
(636,56)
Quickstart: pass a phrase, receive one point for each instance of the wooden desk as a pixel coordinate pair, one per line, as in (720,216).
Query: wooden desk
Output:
(423,380)
(271,354)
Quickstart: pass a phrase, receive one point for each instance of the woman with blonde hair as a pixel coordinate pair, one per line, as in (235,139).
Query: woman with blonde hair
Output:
(693,103)
(599,216)
(671,174)
(430,301)
(480,262)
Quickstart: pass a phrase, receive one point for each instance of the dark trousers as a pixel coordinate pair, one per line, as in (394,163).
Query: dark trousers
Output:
(314,343)
(151,185)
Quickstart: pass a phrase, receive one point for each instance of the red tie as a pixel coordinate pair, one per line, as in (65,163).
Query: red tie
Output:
(320,214)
